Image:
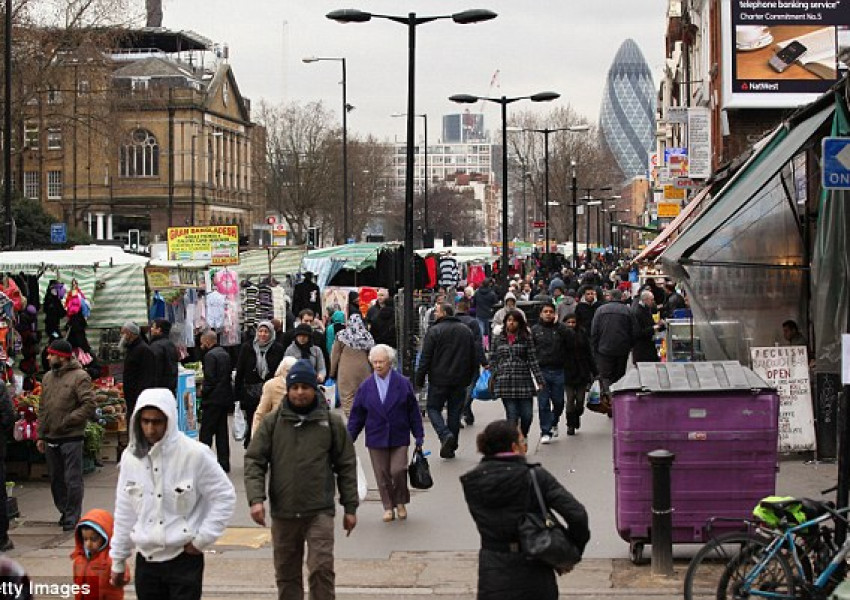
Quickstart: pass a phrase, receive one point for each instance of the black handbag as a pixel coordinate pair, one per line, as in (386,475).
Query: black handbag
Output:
(542,536)
(419,472)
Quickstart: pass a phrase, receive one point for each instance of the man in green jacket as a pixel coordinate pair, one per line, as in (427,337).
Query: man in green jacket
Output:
(303,447)
(67,404)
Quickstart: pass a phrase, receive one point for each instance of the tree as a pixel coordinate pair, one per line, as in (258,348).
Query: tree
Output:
(302,171)
(32,224)
(453,211)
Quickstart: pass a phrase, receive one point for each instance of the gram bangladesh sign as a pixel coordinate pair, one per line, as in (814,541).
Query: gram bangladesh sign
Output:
(217,244)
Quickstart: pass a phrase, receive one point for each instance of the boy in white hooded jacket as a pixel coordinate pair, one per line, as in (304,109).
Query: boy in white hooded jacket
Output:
(172,501)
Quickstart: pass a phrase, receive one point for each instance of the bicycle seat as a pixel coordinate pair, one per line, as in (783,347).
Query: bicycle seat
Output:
(781,504)
(815,508)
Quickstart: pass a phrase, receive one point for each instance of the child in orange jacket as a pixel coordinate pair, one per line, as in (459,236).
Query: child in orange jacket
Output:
(92,565)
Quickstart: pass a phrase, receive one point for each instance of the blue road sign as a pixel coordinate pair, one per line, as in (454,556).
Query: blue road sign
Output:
(58,233)
(836,163)
(350,241)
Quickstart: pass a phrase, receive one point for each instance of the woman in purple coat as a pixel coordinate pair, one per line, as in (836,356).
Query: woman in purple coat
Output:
(387,407)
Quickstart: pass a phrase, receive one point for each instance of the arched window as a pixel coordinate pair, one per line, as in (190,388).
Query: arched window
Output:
(140,155)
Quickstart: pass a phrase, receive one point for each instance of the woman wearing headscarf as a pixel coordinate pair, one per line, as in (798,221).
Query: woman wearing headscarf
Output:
(257,363)
(336,324)
(498,493)
(273,391)
(303,347)
(350,360)
(515,371)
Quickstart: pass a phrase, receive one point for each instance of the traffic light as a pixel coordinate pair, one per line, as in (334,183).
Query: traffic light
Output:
(447,239)
(134,238)
(313,237)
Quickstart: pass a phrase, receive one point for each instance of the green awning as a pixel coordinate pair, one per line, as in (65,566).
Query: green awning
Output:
(782,146)
(279,262)
(356,256)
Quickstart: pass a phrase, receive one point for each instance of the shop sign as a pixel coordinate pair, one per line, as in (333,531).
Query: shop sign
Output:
(668,210)
(786,368)
(671,192)
(217,244)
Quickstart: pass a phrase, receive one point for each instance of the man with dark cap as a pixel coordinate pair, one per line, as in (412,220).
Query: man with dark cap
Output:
(165,356)
(307,295)
(307,449)
(139,364)
(67,404)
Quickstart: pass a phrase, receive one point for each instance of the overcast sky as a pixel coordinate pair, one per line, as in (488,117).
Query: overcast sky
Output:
(564,46)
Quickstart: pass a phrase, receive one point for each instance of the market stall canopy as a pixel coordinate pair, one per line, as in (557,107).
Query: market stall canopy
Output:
(277,262)
(112,280)
(353,256)
(780,147)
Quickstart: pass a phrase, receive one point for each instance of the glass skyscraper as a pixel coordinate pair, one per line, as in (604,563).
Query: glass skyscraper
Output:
(627,119)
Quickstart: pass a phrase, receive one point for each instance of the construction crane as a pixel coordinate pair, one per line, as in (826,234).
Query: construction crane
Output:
(494,82)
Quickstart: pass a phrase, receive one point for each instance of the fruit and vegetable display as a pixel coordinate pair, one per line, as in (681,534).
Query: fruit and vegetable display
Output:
(111,409)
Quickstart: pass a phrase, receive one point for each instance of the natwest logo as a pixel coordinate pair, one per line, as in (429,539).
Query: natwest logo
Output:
(760,86)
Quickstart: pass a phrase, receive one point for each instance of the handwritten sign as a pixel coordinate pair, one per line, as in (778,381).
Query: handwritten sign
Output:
(787,369)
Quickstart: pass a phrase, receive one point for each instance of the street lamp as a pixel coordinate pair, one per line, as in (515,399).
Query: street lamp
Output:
(351,15)
(546,131)
(588,202)
(425,183)
(503,101)
(345,109)
(616,229)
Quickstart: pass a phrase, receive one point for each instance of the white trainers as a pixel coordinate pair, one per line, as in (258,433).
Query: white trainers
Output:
(545,439)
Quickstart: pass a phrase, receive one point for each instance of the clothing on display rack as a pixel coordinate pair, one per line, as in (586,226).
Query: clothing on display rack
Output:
(449,276)
(215,305)
(157,309)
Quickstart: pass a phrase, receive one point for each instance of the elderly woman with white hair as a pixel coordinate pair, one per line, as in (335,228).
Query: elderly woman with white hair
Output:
(386,407)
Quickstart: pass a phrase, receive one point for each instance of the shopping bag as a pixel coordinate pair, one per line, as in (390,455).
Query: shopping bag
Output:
(239,424)
(362,488)
(329,390)
(419,472)
(593,396)
(482,391)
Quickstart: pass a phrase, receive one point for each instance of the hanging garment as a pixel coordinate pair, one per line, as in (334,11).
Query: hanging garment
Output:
(280,303)
(431,270)
(189,299)
(265,306)
(449,275)
(157,310)
(215,310)
(249,307)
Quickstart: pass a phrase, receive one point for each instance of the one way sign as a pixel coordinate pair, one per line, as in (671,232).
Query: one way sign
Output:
(836,163)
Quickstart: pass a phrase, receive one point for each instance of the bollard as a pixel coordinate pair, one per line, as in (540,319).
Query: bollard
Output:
(662,512)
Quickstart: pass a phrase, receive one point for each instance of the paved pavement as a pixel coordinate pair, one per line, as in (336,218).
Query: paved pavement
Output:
(433,553)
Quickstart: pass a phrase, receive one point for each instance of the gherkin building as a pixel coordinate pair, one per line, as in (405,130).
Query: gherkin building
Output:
(627,118)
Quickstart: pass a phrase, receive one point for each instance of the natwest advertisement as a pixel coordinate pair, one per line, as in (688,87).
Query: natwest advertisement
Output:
(782,53)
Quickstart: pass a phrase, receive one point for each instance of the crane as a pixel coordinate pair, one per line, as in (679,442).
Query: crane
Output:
(494,82)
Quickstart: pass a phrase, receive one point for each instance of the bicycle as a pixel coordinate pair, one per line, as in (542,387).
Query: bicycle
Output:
(801,562)
(709,562)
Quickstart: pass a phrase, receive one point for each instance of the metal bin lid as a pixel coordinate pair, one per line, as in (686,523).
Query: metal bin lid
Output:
(721,375)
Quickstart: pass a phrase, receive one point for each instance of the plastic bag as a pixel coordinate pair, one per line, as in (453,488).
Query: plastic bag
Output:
(593,396)
(419,472)
(481,391)
(362,487)
(329,390)
(239,424)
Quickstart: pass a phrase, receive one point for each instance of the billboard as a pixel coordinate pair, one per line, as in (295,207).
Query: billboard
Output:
(219,244)
(782,53)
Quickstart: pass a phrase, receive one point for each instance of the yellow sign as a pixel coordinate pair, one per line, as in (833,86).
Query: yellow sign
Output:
(218,244)
(668,210)
(158,278)
(671,192)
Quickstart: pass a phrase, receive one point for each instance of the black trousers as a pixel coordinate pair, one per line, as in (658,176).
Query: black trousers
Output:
(611,370)
(214,425)
(4,515)
(180,578)
(65,467)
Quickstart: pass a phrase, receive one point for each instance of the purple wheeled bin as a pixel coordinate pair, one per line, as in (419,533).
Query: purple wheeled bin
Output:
(720,420)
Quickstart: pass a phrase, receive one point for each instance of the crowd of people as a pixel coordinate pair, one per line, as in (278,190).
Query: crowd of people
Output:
(542,342)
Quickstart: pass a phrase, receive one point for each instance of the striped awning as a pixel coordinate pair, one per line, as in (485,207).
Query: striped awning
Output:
(355,256)
(278,262)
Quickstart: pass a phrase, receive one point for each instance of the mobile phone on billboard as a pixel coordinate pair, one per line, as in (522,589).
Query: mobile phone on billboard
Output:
(786,57)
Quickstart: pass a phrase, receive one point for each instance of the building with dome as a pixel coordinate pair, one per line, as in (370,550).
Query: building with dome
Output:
(627,118)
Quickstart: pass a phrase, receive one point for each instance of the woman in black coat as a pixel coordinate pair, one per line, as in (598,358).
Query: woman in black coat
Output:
(258,360)
(498,493)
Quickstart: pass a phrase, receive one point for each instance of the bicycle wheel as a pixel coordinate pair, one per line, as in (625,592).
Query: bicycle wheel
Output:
(776,577)
(707,565)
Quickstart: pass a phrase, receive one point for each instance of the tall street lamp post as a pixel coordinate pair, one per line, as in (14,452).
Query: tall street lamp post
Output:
(574,188)
(7,127)
(588,202)
(345,109)
(425,180)
(503,101)
(350,15)
(546,131)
